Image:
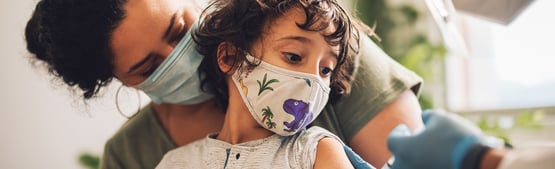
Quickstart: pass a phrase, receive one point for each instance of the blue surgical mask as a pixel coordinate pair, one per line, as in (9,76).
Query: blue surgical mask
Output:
(177,80)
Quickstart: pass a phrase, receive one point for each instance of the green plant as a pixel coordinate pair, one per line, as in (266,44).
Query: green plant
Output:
(528,120)
(396,26)
(493,129)
(268,115)
(264,84)
(89,160)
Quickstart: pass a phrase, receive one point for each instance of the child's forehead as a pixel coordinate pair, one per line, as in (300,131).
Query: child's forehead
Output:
(285,31)
(297,17)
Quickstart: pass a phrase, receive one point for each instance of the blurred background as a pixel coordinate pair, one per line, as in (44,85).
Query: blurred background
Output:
(489,60)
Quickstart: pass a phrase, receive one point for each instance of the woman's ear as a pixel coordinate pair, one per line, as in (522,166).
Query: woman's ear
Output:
(226,57)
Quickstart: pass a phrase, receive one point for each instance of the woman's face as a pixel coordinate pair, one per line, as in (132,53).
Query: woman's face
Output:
(286,45)
(147,35)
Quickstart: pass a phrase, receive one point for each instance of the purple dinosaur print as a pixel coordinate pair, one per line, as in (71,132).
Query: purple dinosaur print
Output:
(299,110)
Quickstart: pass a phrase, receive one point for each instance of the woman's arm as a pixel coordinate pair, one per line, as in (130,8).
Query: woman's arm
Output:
(371,140)
(330,154)
(383,94)
(492,158)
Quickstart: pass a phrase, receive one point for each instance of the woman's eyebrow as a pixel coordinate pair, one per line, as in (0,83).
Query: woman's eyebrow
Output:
(170,27)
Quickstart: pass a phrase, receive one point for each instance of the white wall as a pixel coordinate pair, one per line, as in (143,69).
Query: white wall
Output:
(42,125)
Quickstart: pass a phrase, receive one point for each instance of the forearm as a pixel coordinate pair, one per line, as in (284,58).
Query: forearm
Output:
(492,158)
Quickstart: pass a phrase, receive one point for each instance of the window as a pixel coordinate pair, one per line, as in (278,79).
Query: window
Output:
(508,66)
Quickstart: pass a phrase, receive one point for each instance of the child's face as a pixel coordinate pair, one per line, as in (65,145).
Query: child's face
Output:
(286,45)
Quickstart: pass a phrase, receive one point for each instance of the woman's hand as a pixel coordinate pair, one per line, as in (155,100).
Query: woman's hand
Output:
(447,140)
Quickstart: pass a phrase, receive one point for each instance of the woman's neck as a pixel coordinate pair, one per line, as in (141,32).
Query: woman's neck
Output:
(205,107)
(187,123)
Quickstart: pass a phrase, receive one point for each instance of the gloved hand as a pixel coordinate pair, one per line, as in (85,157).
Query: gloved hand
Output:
(443,144)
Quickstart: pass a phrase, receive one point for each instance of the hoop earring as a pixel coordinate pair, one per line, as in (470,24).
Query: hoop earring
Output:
(119,109)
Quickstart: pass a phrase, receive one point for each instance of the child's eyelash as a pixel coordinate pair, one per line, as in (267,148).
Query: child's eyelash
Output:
(291,57)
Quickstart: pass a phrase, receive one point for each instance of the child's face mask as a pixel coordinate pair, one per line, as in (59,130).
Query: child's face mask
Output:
(281,100)
(177,80)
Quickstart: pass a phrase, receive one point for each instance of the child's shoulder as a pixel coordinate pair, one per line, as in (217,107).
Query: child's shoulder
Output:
(314,134)
(329,149)
(303,146)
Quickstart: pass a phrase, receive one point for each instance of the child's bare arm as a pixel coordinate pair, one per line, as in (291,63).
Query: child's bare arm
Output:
(330,154)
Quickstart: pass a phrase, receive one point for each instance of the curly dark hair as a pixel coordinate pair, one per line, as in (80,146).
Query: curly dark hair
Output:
(72,37)
(228,20)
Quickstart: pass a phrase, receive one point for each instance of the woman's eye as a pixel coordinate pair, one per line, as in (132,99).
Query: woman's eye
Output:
(325,71)
(149,70)
(178,35)
(293,58)
(175,40)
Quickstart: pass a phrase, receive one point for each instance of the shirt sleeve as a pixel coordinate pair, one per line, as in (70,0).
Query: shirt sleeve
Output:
(110,159)
(139,144)
(378,80)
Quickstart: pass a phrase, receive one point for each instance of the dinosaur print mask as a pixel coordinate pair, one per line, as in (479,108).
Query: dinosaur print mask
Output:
(281,100)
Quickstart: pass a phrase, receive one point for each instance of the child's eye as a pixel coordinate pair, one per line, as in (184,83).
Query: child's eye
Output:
(325,71)
(293,58)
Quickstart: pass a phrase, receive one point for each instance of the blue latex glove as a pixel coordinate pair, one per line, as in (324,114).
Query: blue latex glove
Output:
(442,145)
(355,159)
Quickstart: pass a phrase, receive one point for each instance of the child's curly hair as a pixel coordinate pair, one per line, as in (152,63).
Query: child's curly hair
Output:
(242,22)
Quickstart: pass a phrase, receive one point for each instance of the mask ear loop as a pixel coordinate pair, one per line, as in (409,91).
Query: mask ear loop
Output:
(119,109)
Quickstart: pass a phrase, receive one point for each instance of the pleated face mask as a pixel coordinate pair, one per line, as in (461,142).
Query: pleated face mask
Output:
(177,80)
(281,100)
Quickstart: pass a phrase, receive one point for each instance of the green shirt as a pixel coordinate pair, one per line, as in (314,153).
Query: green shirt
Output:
(142,142)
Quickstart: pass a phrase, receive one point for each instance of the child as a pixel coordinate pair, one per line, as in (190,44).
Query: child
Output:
(271,64)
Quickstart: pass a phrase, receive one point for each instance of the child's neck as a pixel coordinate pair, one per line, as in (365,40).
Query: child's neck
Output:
(239,125)
(239,130)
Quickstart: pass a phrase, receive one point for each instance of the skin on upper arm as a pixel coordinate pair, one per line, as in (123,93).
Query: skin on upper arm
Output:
(330,154)
(371,140)
(492,158)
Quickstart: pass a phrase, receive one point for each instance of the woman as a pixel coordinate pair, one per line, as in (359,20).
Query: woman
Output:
(87,43)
